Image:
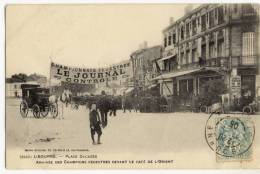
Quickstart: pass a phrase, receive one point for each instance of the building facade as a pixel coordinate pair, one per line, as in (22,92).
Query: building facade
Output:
(213,41)
(143,66)
(14,89)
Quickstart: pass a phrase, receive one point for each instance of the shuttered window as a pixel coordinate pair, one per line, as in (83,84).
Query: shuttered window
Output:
(248,48)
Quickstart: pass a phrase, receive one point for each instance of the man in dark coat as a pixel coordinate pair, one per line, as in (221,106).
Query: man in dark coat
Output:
(103,106)
(94,121)
(113,106)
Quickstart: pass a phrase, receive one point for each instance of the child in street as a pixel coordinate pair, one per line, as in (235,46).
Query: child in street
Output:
(94,120)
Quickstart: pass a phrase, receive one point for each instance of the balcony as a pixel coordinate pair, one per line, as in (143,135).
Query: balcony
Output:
(221,62)
(251,61)
(213,63)
(218,62)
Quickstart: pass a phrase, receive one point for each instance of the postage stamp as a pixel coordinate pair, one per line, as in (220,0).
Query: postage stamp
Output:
(231,137)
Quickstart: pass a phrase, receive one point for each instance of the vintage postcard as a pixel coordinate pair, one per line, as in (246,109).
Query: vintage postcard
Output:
(132,86)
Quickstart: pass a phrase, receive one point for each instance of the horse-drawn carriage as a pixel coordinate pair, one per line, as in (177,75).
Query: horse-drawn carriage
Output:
(36,99)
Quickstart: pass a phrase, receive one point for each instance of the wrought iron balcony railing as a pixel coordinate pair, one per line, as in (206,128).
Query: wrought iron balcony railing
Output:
(221,62)
(251,60)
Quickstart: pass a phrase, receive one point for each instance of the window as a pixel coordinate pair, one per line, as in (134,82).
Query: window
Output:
(194,27)
(203,22)
(221,48)
(169,40)
(187,30)
(203,51)
(174,38)
(211,50)
(211,37)
(172,63)
(211,19)
(185,90)
(248,86)
(165,42)
(194,55)
(235,8)
(166,65)
(190,86)
(248,48)
(182,61)
(182,33)
(248,10)
(220,15)
(188,57)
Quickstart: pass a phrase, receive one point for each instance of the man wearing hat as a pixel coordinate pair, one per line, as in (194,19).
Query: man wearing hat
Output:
(94,120)
(103,106)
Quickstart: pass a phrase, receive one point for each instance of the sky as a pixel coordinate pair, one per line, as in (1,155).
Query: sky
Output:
(81,35)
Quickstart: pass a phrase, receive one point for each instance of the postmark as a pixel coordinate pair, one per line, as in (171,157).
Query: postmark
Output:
(230,137)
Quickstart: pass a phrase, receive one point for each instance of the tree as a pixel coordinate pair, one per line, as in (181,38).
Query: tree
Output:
(21,77)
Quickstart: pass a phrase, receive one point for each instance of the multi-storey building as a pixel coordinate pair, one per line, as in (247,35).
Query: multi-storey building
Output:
(142,62)
(211,41)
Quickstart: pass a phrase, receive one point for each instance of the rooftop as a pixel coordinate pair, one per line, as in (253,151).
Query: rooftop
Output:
(186,16)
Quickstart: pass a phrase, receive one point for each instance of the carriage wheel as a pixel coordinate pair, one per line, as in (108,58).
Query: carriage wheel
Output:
(54,110)
(36,111)
(44,111)
(24,109)
(247,110)
(203,108)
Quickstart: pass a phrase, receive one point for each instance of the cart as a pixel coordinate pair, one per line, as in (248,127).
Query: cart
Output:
(36,100)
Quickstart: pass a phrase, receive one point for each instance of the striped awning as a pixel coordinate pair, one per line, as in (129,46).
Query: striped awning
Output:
(176,74)
(130,89)
(165,58)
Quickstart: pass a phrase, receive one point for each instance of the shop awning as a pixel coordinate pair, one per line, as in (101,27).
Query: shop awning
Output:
(165,58)
(176,74)
(130,89)
(181,73)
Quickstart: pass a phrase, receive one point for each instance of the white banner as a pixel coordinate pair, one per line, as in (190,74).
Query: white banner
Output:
(90,75)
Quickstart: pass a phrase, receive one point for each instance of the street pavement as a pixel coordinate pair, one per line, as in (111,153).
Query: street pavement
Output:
(179,135)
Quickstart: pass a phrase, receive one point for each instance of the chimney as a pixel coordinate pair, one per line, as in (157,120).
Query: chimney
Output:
(171,20)
(188,8)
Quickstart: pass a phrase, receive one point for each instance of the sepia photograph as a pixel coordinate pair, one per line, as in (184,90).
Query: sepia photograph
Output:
(132,86)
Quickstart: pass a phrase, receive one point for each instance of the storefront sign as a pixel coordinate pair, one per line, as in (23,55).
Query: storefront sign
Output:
(90,75)
(236,86)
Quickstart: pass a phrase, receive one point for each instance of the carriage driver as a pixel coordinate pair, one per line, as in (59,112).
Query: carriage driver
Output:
(94,120)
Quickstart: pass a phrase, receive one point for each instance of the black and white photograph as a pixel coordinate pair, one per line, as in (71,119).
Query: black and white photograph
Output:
(132,86)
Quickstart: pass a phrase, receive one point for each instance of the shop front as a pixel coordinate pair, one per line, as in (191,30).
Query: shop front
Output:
(248,86)
(187,86)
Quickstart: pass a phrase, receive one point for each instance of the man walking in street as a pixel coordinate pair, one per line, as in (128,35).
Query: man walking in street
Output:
(94,120)
(113,106)
(103,106)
